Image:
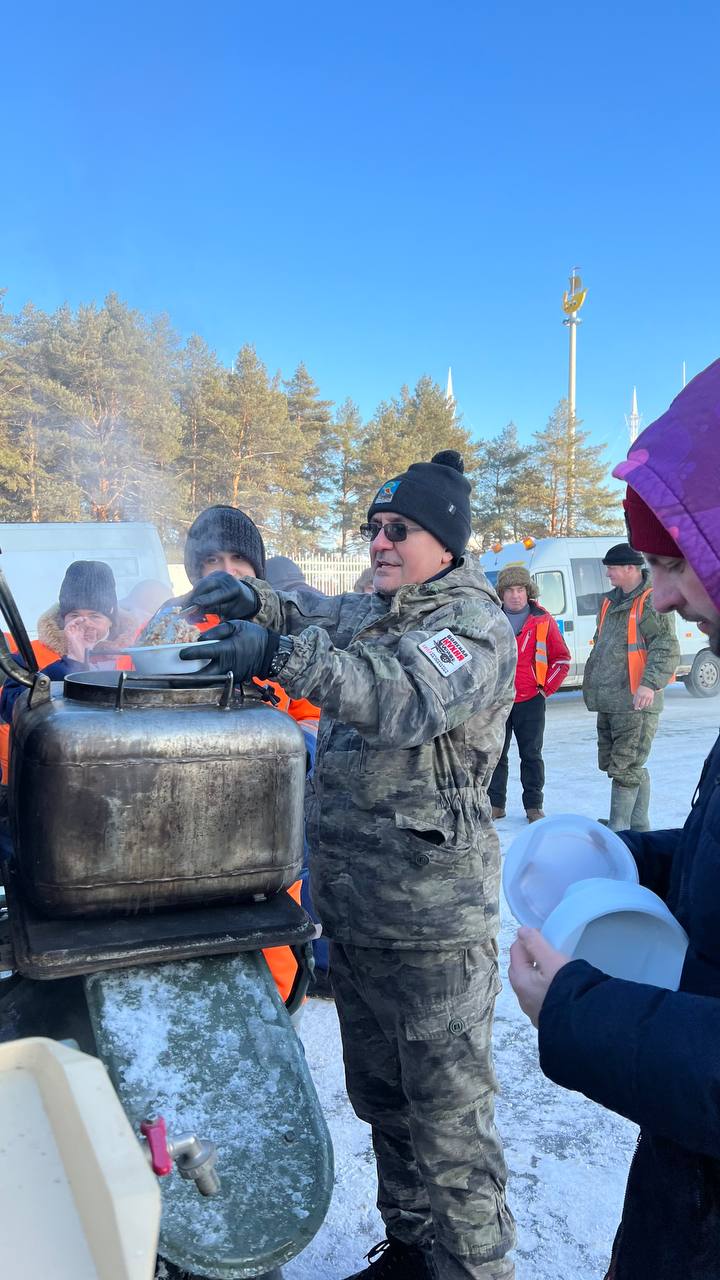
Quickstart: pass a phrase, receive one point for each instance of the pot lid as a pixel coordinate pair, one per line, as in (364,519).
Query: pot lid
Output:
(554,853)
(122,688)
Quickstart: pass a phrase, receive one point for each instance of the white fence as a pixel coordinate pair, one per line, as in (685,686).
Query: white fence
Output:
(330,574)
(333,574)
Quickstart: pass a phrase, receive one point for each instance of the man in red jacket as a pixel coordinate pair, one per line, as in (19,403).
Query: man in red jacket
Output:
(543,661)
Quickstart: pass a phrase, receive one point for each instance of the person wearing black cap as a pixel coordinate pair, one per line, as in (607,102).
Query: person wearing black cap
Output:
(415,682)
(634,655)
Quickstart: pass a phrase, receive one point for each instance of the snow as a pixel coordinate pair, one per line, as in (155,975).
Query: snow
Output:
(568,1158)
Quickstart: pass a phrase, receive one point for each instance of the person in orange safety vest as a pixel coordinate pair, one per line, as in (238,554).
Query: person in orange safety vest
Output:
(543,663)
(224,539)
(634,655)
(86,617)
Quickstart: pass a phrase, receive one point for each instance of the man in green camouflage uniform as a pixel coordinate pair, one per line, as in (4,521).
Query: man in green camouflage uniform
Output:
(415,683)
(627,721)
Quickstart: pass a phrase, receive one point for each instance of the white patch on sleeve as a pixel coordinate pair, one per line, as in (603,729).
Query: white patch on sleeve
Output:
(446,652)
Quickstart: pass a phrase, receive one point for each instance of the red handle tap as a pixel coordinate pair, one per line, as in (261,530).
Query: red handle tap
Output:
(155,1133)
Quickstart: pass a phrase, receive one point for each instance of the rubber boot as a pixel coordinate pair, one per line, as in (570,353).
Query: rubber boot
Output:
(640,820)
(622,801)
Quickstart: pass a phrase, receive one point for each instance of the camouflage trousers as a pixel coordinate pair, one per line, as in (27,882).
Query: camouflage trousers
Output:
(416,1030)
(624,742)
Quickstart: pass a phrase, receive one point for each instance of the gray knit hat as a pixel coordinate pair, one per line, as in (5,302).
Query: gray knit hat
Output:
(89,584)
(223,529)
(516,575)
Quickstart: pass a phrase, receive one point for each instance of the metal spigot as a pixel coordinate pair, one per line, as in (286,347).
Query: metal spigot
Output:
(194,1157)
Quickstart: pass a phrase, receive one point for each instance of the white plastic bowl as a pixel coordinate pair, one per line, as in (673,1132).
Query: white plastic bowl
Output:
(554,853)
(621,928)
(163,659)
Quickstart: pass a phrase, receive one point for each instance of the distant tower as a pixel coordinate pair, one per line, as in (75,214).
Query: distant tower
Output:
(449,397)
(573,299)
(633,420)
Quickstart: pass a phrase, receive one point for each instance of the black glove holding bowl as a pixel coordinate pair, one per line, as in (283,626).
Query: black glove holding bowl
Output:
(241,647)
(236,645)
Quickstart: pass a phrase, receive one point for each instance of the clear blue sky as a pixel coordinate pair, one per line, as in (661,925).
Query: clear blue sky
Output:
(380,189)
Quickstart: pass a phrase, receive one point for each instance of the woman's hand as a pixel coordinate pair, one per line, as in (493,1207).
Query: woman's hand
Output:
(533,965)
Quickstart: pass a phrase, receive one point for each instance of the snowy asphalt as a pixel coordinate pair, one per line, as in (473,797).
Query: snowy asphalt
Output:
(568,1158)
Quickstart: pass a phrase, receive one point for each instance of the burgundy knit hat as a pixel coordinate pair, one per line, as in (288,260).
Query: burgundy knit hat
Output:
(645,532)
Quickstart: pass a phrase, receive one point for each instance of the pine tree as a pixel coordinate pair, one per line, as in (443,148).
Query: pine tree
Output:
(409,429)
(501,487)
(253,452)
(198,370)
(311,420)
(108,392)
(347,431)
(571,497)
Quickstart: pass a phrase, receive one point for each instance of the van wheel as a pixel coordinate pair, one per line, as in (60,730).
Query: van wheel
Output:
(703,680)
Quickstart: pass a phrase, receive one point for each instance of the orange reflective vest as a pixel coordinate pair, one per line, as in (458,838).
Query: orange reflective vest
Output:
(44,656)
(541,653)
(637,649)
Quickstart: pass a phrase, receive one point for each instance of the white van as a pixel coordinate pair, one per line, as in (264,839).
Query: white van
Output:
(572,582)
(34,558)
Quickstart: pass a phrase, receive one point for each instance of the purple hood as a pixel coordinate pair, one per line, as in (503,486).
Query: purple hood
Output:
(675,467)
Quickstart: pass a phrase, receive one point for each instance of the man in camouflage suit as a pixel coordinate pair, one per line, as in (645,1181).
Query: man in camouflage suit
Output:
(415,683)
(627,721)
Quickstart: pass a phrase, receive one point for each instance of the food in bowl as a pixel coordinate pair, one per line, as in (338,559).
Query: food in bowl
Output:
(169,628)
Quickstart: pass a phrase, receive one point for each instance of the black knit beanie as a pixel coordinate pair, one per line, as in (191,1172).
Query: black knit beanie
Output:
(223,529)
(89,584)
(436,494)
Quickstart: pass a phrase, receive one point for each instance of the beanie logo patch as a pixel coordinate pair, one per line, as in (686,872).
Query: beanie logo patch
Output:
(387,491)
(446,652)
(451,509)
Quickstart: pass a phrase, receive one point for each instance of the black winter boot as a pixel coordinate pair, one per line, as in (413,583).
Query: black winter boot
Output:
(393,1260)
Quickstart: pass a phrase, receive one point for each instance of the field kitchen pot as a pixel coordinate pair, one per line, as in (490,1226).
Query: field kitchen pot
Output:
(130,793)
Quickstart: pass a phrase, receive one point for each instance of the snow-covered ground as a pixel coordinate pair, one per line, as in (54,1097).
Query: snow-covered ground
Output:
(568,1158)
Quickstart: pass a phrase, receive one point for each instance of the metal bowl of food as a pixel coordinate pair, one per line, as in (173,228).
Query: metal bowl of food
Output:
(163,660)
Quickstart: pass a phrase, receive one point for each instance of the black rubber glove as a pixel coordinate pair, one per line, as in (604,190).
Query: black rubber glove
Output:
(222,594)
(241,647)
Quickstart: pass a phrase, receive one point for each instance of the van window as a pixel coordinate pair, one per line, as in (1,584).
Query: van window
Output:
(591,585)
(551,586)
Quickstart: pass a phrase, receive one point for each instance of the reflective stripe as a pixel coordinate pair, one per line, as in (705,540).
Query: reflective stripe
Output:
(541,657)
(637,649)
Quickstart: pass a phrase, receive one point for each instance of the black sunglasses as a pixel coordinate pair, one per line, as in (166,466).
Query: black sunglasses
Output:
(394,530)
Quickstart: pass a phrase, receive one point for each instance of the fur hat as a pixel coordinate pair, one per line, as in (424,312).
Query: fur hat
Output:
(436,494)
(621,554)
(516,575)
(223,529)
(89,584)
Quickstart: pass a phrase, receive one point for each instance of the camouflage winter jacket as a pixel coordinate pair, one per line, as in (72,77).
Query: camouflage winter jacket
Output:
(414,690)
(606,682)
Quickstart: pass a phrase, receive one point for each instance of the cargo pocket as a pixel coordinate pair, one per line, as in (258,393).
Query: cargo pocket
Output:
(458,1015)
(446,1055)
(452,822)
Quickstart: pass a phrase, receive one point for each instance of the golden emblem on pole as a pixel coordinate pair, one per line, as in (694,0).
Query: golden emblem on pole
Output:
(574,297)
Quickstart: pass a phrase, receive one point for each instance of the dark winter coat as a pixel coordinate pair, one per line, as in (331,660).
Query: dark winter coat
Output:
(606,680)
(558,655)
(654,1056)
